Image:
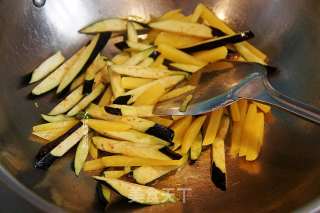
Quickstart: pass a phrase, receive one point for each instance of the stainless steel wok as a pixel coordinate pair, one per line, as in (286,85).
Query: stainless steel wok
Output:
(286,176)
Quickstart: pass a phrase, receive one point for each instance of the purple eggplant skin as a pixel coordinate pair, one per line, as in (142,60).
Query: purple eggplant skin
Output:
(87,86)
(121,45)
(100,196)
(161,132)
(218,177)
(122,100)
(217,32)
(44,159)
(155,55)
(112,110)
(101,43)
(171,154)
(239,37)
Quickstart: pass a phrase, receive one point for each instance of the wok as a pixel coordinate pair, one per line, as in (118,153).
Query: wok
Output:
(287,175)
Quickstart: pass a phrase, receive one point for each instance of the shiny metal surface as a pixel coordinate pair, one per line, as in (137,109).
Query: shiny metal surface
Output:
(220,84)
(286,176)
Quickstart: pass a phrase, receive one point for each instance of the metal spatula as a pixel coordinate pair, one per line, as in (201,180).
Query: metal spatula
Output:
(222,83)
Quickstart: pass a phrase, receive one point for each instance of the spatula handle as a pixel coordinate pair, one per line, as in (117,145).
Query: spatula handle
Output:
(273,97)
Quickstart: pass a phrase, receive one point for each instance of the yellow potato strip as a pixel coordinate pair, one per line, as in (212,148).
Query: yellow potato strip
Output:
(162,121)
(192,133)
(213,126)
(120,160)
(176,55)
(248,135)
(237,128)
(213,55)
(133,82)
(177,92)
(235,112)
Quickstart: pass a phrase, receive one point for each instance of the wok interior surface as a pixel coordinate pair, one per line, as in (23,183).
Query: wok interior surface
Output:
(285,177)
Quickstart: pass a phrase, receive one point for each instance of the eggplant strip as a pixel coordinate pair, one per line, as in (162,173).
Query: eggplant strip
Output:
(86,100)
(128,148)
(167,82)
(109,25)
(138,193)
(46,67)
(85,59)
(53,80)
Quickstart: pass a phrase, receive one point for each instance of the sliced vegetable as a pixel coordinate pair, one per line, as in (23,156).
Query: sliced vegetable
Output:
(213,126)
(104,194)
(136,123)
(167,82)
(176,40)
(179,128)
(128,148)
(77,82)
(175,26)
(121,160)
(139,57)
(196,14)
(55,125)
(133,82)
(117,173)
(192,133)
(263,107)
(147,174)
(93,151)
(54,79)
(162,121)
(146,62)
(235,112)
(184,105)
(109,25)
(121,58)
(85,59)
(131,32)
(68,102)
(52,134)
(218,156)
(55,118)
(141,71)
(254,145)
(213,55)
(177,92)
(170,153)
(86,100)
(98,63)
(178,56)
(115,82)
(138,46)
(135,111)
(46,67)
(135,136)
(51,151)
(169,14)
(237,128)
(101,126)
(138,193)
(248,135)
(218,42)
(186,67)
(218,168)
(196,148)
(81,154)
(106,98)
(150,96)
(95,164)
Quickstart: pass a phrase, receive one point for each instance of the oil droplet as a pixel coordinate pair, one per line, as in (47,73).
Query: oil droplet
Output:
(39,3)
